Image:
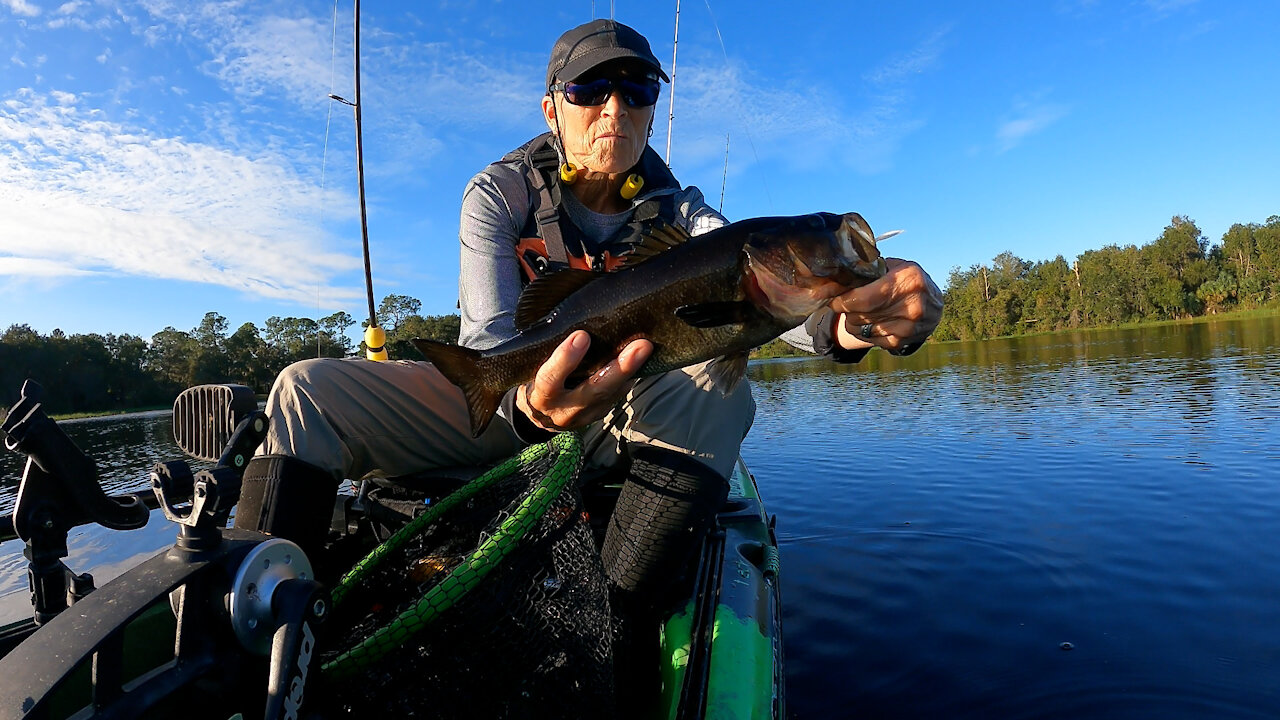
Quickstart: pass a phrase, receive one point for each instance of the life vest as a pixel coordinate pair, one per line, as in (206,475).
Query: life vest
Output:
(549,241)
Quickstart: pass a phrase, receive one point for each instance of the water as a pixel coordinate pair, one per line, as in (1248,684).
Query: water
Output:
(949,520)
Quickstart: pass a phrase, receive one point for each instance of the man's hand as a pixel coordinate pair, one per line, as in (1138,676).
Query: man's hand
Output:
(551,406)
(898,312)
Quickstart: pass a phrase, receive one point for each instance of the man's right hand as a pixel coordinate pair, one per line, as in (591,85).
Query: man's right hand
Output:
(552,406)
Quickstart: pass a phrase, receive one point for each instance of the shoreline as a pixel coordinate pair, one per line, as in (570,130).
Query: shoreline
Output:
(1199,319)
(1233,315)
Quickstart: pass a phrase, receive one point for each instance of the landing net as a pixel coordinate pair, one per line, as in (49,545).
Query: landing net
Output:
(492,603)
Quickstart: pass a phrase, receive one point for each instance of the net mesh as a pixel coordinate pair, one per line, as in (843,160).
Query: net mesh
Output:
(493,603)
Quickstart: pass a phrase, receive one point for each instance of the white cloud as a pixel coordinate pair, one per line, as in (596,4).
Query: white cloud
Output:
(21,7)
(38,268)
(922,57)
(80,194)
(253,50)
(802,124)
(1027,118)
(264,53)
(1164,7)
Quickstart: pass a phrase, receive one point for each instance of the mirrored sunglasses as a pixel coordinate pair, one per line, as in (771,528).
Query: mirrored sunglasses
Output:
(641,92)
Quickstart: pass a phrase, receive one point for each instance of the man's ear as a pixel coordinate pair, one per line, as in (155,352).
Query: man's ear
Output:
(549,112)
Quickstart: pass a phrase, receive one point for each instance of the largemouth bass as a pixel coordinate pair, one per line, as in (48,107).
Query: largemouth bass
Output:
(717,296)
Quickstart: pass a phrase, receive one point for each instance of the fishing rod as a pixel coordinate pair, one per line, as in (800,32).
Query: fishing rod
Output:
(671,110)
(375,338)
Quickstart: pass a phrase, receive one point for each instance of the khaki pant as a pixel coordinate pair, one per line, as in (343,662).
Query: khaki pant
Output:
(354,417)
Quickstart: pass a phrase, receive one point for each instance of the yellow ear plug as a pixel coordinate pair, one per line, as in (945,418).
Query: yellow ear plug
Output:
(568,173)
(632,186)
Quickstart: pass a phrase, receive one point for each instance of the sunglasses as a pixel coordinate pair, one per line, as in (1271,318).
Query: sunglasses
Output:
(641,92)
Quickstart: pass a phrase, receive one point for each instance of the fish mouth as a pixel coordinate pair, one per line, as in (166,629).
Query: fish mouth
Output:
(860,258)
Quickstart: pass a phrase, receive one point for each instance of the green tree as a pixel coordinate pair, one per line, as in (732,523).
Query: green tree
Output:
(1268,244)
(289,340)
(1052,285)
(442,328)
(248,358)
(1240,257)
(1174,266)
(171,359)
(1216,294)
(127,380)
(210,363)
(395,309)
(333,335)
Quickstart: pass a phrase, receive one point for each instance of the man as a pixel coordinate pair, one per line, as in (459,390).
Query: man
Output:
(567,198)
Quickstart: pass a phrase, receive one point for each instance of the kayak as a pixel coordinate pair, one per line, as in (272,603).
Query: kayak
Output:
(231,623)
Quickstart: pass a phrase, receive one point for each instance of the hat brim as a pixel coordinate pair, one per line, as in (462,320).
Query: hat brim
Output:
(574,69)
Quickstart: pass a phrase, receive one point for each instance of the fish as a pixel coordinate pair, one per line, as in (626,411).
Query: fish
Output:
(715,296)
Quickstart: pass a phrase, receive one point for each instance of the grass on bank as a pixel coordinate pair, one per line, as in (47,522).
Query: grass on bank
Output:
(1250,314)
(108,413)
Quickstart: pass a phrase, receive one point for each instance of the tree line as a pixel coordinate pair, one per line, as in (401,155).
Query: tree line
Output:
(1177,275)
(93,372)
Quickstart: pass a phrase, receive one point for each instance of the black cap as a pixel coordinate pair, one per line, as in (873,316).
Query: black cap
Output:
(597,42)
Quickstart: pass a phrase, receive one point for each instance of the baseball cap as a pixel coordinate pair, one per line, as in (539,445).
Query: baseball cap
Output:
(597,42)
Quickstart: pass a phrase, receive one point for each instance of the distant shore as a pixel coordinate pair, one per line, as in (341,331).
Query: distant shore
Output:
(780,349)
(110,413)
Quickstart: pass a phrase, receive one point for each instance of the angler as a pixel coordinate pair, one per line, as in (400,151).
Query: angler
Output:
(582,196)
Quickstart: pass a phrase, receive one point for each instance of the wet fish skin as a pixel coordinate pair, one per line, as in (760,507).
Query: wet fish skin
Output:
(720,294)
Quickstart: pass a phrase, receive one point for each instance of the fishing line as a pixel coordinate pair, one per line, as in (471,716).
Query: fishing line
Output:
(764,184)
(324,155)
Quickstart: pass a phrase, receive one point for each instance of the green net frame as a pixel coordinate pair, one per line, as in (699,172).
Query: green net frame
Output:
(567,449)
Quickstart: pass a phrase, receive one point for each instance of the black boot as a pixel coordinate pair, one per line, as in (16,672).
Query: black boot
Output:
(288,498)
(667,504)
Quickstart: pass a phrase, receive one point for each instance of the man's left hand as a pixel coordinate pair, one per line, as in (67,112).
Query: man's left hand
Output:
(898,312)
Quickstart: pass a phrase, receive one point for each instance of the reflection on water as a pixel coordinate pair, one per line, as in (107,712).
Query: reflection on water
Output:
(949,520)
(124,448)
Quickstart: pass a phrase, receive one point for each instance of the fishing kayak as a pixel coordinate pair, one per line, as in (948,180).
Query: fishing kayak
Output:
(231,623)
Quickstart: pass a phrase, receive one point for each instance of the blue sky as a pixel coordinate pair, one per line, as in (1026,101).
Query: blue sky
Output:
(162,158)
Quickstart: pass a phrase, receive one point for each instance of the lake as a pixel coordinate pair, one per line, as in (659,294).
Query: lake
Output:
(1061,526)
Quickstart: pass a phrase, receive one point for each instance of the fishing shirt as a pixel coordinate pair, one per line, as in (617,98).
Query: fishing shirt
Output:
(495,208)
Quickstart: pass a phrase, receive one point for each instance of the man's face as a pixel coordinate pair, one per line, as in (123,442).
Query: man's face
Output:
(605,138)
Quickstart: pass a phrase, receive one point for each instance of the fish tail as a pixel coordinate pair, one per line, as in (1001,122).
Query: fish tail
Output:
(467,369)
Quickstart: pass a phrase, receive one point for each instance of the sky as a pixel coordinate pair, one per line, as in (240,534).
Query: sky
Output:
(161,159)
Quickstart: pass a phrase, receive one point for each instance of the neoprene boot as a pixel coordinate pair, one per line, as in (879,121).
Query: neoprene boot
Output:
(288,498)
(666,506)
(667,503)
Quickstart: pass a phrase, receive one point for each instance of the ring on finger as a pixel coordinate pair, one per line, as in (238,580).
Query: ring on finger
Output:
(866,331)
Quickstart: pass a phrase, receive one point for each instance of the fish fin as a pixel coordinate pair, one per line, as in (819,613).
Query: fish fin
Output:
(544,294)
(715,314)
(727,371)
(655,241)
(464,367)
